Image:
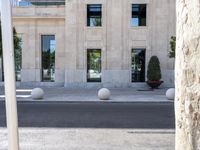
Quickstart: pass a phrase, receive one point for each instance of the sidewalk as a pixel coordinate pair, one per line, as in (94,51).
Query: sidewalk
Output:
(91,139)
(118,95)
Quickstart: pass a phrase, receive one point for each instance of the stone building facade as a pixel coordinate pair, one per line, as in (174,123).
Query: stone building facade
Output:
(94,43)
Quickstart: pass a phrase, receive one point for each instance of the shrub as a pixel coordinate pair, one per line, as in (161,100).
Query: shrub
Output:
(153,71)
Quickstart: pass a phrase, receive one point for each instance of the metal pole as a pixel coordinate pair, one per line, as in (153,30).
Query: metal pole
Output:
(9,71)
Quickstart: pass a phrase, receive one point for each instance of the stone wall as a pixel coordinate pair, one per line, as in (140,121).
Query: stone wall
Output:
(116,38)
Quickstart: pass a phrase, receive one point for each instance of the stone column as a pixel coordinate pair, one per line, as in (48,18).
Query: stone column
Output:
(30,72)
(73,76)
(113,74)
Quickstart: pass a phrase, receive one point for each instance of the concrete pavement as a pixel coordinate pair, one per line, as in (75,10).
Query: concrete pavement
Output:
(91,139)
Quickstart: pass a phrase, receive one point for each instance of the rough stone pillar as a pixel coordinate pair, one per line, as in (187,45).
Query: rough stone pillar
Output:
(187,104)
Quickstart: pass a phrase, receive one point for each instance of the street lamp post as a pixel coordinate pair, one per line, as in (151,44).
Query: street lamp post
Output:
(9,72)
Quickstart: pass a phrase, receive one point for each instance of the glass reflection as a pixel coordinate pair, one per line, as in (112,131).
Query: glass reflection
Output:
(138,65)
(48,57)
(94,66)
(94,15)
(138,15)
(18,56)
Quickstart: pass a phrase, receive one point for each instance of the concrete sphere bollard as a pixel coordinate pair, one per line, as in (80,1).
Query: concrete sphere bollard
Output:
(170,93)
(104,94)
(37,93)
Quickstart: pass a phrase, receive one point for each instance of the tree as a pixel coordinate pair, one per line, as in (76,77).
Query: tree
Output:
(172,47)
(17,43)
(17,50)
(187,102)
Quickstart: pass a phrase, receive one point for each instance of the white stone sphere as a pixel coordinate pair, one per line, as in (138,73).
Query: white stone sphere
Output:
(170,93)
(104,94)
(37,93)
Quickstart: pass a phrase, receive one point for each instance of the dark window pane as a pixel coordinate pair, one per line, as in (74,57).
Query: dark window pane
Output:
(94,15)
(138,65)
(48,57)
(94,65)
(138,15)
(48,3)
(135,8)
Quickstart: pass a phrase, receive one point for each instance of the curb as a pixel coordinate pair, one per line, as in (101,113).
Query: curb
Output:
(100,101)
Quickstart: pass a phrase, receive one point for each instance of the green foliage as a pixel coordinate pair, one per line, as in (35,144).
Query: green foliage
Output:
(48,59)
(17,50)
(17,43)
(154,72)
(173,47)
(94,60)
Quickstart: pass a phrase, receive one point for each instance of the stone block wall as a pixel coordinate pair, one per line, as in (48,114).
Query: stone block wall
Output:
(116,38)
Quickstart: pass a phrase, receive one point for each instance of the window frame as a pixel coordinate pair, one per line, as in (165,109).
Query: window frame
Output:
(95,15)
(89,80)
(144,70)
(138,14)
(41,43)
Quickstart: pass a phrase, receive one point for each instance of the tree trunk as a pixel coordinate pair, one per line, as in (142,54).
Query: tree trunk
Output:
(187,103)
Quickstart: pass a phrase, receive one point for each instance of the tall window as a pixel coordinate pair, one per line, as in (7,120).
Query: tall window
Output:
(138,65)
(138,15)
(94,15)
(48,57)
(94,65)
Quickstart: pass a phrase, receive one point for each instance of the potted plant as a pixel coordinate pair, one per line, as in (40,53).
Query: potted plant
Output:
(154,73)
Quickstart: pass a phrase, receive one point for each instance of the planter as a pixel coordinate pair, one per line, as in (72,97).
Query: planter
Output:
(154,84)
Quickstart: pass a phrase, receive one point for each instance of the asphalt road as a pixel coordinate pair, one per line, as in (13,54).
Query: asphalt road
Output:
(93,115)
